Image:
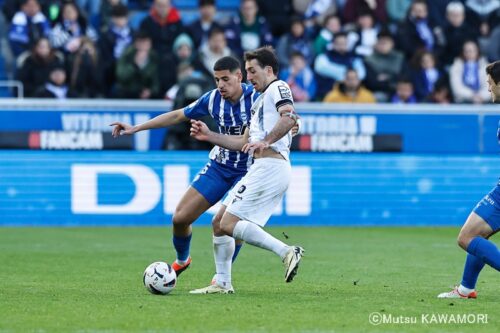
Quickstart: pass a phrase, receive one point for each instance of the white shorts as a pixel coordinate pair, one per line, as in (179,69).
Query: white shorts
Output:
(255,197)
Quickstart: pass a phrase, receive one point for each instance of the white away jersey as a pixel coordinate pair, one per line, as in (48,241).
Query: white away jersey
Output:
(265,115)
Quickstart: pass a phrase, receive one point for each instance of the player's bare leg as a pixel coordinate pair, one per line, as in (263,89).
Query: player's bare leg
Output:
(191,206)
(474,227)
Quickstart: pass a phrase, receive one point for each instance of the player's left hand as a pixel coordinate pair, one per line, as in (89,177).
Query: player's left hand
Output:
(296,127)
(255,147)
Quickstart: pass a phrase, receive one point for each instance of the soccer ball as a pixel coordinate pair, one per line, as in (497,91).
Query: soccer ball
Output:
(159,278)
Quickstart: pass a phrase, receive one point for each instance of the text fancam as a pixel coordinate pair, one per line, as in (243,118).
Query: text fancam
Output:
(382,318)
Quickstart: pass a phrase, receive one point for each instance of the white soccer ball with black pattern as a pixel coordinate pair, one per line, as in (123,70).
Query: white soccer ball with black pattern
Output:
(159,278)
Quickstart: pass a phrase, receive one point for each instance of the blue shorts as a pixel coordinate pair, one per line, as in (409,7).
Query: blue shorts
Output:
(215,180)
(489,208)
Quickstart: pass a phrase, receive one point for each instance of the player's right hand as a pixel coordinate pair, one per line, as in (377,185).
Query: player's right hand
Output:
(199,130)
(122,129)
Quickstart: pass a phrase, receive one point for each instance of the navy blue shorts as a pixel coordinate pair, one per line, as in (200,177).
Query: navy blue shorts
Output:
(489,208)
(215,179)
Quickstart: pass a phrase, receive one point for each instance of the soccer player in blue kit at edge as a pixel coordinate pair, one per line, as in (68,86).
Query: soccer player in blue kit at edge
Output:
(229,105)
(483,221)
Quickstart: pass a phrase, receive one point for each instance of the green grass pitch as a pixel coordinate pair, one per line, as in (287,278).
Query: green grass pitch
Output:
(90,280)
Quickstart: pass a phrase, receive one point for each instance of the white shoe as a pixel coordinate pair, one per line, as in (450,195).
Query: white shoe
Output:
(456,294)
(291,262)
(213,289)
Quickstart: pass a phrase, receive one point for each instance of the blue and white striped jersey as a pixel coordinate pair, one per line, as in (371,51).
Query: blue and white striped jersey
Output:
(231,120)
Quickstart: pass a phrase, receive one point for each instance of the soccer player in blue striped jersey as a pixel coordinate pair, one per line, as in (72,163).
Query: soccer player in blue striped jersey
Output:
(229,105)
(482,223)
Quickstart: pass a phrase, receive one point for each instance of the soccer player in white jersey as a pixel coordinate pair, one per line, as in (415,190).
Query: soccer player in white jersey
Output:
(482,223)
(253,199)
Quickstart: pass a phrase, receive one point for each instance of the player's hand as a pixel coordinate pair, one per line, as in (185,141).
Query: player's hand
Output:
(296,127)
(122,129)
(199,130)
(255,147)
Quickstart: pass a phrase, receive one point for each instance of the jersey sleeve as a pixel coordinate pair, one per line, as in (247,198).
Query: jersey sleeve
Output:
(281,95)
(199,108)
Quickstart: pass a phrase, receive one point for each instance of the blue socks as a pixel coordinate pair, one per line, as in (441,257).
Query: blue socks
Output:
(237,249)
(473,266)
(182,245)
(485,251)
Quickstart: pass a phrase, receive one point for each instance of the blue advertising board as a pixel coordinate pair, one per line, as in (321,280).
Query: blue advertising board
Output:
(39,188)
(326,127)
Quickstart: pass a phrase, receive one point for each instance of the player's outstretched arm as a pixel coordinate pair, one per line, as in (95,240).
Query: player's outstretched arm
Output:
(200,131)
(163,120)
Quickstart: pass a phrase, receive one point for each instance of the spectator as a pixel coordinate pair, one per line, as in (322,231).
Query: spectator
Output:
(70,28)
(277,14)
(349,90)
(437,11)
(404,92)
(425,74)
(493,49)
(115,38)
(183,52)
(332,65)
(314,11)
(456,32)
(91,8)
(294,41)
(106,11)
(34,67)
(56,86)
(191,86)
(248,31)
(163,25)
(300,78)
(416,32)
(397,9)
(383,67)
(331,26)
(215,49)
(484,14)
(186,87)
(353,8)
(28,25)
(441,94)
(200,29)
(137,70)
(364,37)
(468,76)
(85,73)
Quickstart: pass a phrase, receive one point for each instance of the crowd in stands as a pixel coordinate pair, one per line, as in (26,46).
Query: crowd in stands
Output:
(356,51)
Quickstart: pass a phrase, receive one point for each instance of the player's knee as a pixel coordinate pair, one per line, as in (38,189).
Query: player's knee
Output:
(216,224)
(226,227)
(463,240)
(181,217)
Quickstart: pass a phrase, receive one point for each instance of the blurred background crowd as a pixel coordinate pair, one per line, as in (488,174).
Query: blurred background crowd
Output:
(355,51)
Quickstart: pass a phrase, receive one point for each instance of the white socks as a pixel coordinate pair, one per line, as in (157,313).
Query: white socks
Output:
(255,235)
(464,291)
(223,255)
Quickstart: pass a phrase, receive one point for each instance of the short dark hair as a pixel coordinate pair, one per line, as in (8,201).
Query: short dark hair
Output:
(227,63)
(340,34)
(141,34)
(119,10)
(265,56)
(215,31)
(493,70)
(202,3)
